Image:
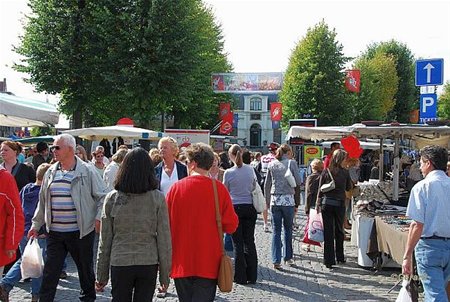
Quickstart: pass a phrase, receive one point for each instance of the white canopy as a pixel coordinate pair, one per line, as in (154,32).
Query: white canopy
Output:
(17,112)
(363,131)
(109,132)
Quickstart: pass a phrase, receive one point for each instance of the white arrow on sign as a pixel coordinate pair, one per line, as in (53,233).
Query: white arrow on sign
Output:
(428,67)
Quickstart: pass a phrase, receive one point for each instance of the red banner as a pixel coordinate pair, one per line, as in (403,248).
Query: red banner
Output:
(353,80)
(226,116)
(276,112)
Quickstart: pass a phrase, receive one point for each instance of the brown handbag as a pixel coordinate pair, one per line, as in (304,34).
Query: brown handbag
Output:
(225,277)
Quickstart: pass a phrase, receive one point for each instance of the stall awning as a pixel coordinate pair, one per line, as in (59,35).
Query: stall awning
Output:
(109,132)
(22,112)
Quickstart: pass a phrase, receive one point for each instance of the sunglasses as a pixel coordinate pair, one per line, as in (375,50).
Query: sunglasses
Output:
(55,148)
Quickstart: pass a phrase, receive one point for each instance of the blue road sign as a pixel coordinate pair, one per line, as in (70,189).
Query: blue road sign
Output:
(428,106)
(429,72)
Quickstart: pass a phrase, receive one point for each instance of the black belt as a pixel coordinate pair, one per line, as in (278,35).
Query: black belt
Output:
(436,237)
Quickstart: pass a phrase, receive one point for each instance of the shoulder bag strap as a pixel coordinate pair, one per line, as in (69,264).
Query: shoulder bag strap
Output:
(218,217)
(16,169)
(329,173)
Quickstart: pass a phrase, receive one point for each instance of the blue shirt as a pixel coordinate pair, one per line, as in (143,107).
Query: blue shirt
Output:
(429,203)
(240,182)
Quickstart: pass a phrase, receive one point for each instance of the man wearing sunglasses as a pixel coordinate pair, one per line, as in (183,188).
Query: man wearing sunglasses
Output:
(70,205)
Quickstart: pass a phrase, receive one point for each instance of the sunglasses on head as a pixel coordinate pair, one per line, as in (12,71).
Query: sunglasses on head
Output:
(55,148)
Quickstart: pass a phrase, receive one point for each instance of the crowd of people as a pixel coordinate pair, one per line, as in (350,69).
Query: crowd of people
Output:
(154,214)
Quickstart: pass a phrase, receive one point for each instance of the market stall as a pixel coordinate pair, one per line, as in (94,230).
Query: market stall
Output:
(110,132)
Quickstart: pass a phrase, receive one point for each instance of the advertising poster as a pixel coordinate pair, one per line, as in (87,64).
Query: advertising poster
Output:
(310,152)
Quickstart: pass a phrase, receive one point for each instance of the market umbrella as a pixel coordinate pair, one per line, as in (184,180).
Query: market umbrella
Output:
(110,132)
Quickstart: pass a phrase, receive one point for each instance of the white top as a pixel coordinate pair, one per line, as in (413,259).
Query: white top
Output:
(109,176)
(167,181)
(429,204)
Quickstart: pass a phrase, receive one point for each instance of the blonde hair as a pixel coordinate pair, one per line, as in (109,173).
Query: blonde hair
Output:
(236,151)
(316,165)
(338,157)
(41,170)
(173,144)
(282,150)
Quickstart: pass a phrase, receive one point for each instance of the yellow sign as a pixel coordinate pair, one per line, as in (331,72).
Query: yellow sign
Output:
(311,152)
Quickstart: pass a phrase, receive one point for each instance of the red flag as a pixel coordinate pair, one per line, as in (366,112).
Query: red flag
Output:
(226,115)
(276,112)
(353,80)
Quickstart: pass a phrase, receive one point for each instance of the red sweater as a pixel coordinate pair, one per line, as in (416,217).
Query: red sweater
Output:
(11,217)
(196,249)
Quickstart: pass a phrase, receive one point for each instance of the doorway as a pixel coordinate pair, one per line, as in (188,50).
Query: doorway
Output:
(255,135)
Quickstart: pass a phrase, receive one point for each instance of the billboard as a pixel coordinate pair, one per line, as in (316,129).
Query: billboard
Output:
(247,82)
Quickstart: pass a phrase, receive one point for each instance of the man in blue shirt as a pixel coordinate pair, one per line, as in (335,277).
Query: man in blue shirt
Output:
(429,233)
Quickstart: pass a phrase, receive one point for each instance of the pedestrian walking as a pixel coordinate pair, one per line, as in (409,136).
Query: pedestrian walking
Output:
(196,247)
(429,234)
(70,205)
(135,235)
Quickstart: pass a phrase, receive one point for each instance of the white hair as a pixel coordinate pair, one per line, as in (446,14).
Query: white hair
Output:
(68,140)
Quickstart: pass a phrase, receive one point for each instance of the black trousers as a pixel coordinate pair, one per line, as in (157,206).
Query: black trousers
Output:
(133,283)
(333,231)
(81,250)
(195,289)
(245,256)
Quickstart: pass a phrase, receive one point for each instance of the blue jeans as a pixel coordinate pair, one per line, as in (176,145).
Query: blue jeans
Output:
(14,274)
(433,266)
(282,216)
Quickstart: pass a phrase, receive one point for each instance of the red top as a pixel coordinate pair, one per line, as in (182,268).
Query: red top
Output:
(11,217)
(326,162)
(196,249)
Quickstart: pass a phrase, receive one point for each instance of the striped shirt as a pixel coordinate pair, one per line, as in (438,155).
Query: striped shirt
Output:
(64,213)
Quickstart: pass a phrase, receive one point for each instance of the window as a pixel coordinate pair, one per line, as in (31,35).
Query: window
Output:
(255,104)
(255,116)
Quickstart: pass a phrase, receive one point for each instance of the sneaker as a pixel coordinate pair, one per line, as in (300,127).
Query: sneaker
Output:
(266,228)
(4,294)
(277,266)
(63,275)
(290,262)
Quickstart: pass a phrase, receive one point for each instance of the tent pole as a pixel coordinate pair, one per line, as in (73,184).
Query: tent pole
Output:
(381,162)
(396,167)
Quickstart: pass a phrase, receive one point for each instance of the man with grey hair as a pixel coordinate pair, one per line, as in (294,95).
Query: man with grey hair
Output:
(70,205)
(429,234)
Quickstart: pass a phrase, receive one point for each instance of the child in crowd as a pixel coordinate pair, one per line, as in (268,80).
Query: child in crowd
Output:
(29,196)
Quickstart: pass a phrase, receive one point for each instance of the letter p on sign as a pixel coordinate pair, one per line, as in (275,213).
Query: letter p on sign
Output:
(428,105)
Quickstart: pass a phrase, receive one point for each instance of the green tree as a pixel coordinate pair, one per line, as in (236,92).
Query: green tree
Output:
(407,94)
(444,103)
(379,83)
(314,80)
(110,59)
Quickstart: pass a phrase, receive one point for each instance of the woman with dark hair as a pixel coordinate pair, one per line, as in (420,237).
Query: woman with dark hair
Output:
(135,236)
(240,181)
(332,206)
(280,196)
(23,174)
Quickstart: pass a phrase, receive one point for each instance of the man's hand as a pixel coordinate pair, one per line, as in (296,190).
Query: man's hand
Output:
(32,234)
(407,266)
(97,226)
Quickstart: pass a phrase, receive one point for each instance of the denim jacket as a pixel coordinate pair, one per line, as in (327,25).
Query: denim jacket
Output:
(87,190)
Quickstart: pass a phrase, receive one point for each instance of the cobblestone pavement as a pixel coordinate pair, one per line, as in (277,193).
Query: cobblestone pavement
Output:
(309,280)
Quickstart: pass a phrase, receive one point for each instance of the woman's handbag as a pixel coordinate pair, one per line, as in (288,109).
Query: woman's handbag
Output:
(259,201)
(329,186)
(306,236)
(315,226)
(32,265)
(225,277)
(289,177)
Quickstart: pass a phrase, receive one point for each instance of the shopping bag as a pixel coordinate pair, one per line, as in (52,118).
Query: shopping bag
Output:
(225,278)
(259,201)
(290,177)
(404,295)
(306,238)
(315,226)
(32,265)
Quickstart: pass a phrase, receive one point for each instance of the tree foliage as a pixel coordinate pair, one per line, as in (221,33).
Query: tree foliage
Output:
(110,59)
(314,79)
(407,94)
(379,83)
(444,103)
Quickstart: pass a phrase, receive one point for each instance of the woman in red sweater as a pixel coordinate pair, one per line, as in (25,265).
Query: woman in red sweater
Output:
(11,220)
(196,249)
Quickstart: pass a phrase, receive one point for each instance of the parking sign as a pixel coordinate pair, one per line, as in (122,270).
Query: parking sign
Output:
(428,106)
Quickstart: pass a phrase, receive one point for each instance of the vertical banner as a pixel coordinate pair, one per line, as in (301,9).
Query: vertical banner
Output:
(235,120)
(276,112)
(353,80)
(226,116)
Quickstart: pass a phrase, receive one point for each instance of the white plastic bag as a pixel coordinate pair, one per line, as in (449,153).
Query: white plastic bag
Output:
(259,201)
(404,295)
(315,226)
(32,265)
